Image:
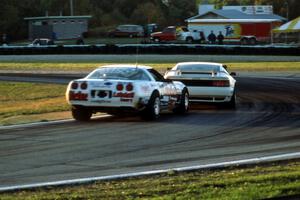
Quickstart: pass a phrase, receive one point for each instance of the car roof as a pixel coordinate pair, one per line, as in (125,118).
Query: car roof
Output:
(125,66)
(130,25)
(199,63)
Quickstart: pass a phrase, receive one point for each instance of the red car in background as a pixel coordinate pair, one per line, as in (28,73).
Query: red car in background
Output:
(167,34)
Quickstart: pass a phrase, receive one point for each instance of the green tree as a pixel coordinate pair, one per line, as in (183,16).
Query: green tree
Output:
(146,13)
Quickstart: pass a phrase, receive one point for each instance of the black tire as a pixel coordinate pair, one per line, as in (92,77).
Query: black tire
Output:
(232,103)
(189,40)
(152,110)
(244,41)
(252,41)
(183,106)
(80,113)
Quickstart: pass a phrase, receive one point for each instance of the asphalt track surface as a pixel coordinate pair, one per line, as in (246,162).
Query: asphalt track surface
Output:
(265,123)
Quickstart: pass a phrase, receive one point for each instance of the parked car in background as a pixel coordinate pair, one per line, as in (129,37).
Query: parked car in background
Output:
(116,89)
(41,42)
(167,34)
(206,82)
(151,28)
(175,33)
(127,30)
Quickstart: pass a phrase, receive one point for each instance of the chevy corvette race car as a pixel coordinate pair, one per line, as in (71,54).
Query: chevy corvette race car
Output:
(206,82)
(117,88)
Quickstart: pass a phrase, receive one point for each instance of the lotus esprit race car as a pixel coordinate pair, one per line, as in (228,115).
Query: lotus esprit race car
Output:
(206,82)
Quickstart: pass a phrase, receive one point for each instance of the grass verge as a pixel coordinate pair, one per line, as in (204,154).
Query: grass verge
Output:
(86,67)
(27,102)
(252,182)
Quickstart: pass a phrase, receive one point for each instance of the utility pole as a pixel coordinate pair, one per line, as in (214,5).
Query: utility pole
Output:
(71,8)
(287,10)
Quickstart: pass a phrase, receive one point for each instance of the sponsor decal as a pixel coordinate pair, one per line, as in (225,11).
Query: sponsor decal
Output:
(124,94)
(232,30)
(169,91)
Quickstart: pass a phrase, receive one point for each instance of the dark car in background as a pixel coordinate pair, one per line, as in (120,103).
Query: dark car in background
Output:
(127,30)
(151,28)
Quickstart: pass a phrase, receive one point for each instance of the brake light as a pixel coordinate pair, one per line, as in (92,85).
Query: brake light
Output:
(74,85)
(129,87)
(84,85)
(221,83)
(119,87)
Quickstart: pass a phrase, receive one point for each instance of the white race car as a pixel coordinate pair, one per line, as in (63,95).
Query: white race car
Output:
(206,82)
(115,89)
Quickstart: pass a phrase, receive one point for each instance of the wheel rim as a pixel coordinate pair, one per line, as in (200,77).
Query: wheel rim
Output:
(186,101)
(156,106)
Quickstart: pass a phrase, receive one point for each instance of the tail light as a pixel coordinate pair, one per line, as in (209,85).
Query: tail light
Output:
(74,85)
(129,87)
(221,83)
(78,96)
(84,85)
(119,87)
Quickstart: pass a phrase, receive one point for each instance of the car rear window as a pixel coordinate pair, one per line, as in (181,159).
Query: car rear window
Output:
(119,73)
(196,67)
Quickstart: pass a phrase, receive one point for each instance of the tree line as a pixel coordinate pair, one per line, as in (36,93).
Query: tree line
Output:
(113,12)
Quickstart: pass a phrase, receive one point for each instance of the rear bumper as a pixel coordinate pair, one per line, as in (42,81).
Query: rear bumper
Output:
(210,94)
(114,104)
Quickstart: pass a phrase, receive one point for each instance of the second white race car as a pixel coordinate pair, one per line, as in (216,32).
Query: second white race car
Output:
(115,89)
(206,82)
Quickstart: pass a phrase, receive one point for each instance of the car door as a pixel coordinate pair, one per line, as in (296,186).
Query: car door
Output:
(170,34)
(166,87)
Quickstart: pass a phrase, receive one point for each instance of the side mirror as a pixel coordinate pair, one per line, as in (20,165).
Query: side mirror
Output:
(233,74)
(167,80)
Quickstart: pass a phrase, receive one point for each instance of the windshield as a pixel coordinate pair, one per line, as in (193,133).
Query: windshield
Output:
(119,73)
(197,67)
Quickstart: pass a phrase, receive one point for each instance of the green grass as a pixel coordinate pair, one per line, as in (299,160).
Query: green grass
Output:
(88,66)
(256,182)
(22,99)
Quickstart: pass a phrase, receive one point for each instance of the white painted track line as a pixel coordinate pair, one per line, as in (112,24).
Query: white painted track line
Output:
(154,172)
(45,123)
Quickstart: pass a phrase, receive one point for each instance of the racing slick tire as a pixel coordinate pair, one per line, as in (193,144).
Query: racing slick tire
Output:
(152,110)
(183,106)
(232,103)
(80,113)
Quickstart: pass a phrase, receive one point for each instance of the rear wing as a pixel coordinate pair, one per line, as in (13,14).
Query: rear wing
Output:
(186,73)
(197,72)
